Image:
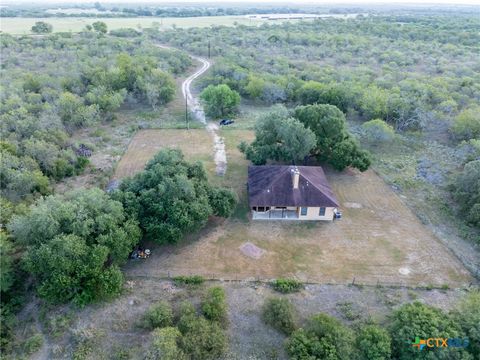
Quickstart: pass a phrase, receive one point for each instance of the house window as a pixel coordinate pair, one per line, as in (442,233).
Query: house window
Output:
(322,211)
(303,211)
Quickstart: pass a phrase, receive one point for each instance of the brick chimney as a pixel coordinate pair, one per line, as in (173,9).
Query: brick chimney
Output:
(295,177)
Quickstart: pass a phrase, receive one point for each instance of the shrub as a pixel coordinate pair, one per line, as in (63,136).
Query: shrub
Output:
(287,285)
(86,341)
(280,314)
(187,316)
(124,32)
(188,280)
(373,343)
(165,345)
(466,125)
(348,311)
(33,344)
(214,307)
(324,337)
(42,27)
(378,131)
(158,316)
(203,340)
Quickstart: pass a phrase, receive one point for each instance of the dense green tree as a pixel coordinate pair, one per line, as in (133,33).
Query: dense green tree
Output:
(90,214)
(220,101)
(467,316)
(255,87)
(107,100)
(467,191)
(6,263)
(20,177)
(158,87)
(129,70)
(222,201)
(74,113)
(374,103)
(334,144)
(171,197)
(100,27)
(280,314)
(66,268)
(313,92)
(373,343)
(279,137)
(41,27)
(423,321)
(75,243)
(323,337)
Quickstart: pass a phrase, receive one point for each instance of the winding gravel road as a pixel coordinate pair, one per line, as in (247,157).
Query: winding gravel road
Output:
(220,156)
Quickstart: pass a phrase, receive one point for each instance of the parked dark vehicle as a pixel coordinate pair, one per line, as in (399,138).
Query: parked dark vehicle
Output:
(337,214)
(226,121)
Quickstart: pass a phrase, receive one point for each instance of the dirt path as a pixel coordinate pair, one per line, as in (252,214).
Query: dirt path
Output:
(196,107)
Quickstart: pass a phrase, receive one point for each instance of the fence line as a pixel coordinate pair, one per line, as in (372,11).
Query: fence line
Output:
(308,281)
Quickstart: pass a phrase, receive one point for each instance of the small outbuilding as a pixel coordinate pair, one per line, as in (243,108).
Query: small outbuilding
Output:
(290,193)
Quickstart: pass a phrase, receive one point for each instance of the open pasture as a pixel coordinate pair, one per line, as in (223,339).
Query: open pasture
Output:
(17,25)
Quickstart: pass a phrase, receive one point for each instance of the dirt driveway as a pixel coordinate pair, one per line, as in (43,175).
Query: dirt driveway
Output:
(379,239)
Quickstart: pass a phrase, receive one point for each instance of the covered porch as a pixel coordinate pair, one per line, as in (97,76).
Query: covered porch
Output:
(267,213)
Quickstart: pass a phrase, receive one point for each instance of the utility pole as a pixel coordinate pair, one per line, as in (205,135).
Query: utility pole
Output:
(186,112)
(209,48)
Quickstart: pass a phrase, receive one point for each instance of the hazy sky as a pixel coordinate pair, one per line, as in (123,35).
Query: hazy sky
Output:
(222,2)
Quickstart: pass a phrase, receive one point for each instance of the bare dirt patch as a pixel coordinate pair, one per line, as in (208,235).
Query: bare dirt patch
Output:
(252,251)
(371,243)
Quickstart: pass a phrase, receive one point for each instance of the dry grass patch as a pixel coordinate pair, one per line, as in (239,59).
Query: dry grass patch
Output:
(196,145)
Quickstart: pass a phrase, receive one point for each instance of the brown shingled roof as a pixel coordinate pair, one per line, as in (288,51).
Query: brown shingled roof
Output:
(272,185)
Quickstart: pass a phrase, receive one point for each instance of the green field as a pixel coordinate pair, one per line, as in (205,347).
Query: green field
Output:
(23,25)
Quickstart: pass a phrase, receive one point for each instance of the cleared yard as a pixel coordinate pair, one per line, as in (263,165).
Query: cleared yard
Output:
(379,238)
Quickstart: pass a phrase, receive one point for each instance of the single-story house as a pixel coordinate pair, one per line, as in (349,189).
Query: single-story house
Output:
(290,193)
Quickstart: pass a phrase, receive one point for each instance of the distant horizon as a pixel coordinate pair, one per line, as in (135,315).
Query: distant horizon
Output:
(244,2)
